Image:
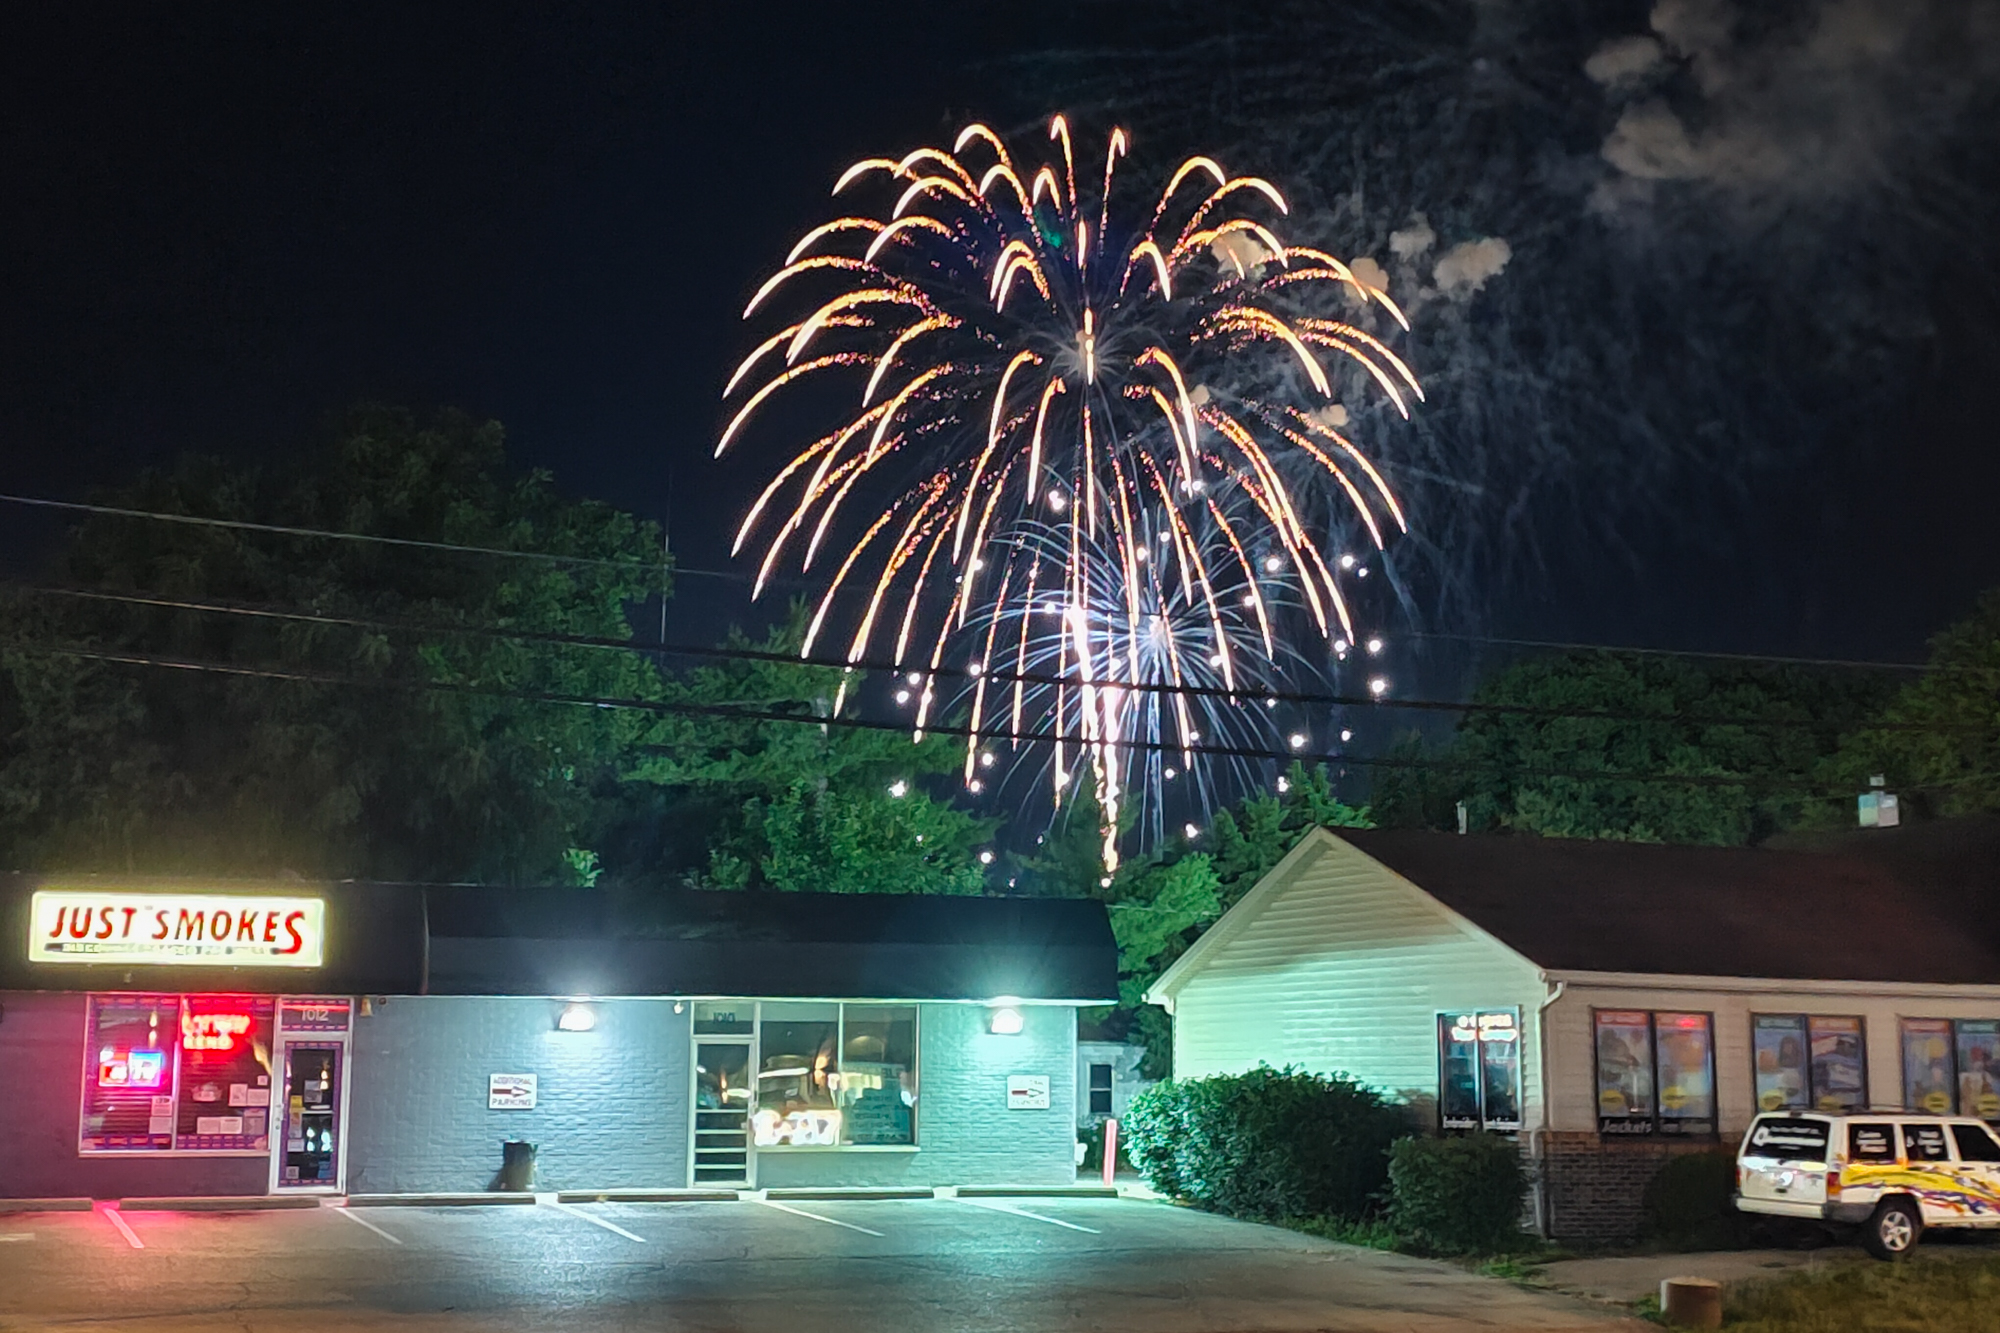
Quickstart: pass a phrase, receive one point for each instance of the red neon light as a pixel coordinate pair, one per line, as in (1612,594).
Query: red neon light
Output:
(213,1032)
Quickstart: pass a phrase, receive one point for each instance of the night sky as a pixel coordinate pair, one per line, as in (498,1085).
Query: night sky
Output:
(223,224)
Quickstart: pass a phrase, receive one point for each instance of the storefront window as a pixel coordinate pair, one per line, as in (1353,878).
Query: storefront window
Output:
(1951,1064)
(1809,1062)
(171,1073)
(878,1074)
(832,1075)
(1479,1070)
(1655,1073)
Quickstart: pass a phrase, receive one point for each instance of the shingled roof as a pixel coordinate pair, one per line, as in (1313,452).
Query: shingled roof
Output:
(1917,904)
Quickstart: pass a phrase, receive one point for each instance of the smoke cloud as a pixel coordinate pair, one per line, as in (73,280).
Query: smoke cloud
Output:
(1466,267)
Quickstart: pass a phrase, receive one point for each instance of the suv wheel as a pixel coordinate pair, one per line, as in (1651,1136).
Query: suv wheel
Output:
(1893,1230)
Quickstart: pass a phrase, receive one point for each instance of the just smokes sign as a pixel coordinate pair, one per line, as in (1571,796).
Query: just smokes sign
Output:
(175,929)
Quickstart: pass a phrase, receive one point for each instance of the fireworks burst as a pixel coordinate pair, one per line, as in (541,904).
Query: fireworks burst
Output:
(1112,447)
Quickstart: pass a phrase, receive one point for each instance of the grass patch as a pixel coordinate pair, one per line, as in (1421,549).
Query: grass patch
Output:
(1927,1293)
(1373,1235)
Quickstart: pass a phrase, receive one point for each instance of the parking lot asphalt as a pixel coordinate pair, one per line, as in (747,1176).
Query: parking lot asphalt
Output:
(888,1266)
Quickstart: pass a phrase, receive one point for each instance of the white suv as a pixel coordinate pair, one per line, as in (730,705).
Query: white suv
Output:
(1891,1173)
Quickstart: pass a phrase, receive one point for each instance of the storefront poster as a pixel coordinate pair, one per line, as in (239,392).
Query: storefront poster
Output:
(1624,1072)
(1839,1077)
(1686,1061)
(1927,1060)
(1778,1046)
(225,1058)
(1979,1068)
(1458,1071)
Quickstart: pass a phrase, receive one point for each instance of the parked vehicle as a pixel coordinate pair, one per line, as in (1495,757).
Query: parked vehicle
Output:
(1890,1173)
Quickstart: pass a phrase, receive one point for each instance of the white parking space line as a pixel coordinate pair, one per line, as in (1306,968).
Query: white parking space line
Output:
(361,1221)
(7,1236)
(596,1221)
(1036,1217)
(111,1215)
(831,1221)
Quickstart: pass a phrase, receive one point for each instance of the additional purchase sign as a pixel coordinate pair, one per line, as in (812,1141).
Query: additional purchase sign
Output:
(176,929)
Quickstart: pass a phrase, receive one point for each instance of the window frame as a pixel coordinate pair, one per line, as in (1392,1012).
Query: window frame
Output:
(1654,1125)
(1812,1090)
(1443,1020)
(1110,1088)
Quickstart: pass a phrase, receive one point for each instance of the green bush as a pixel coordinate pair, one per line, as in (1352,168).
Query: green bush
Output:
(1689,1198)
(1457,1195)
(1270,1144)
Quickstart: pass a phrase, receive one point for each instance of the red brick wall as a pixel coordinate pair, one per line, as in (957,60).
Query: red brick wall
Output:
(1593,1186)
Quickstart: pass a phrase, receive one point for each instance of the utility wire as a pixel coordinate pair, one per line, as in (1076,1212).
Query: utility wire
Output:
(660,707)
(661,649)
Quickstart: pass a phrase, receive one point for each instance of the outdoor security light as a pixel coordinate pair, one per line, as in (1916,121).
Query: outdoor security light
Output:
(577,1017)
(1005,1021)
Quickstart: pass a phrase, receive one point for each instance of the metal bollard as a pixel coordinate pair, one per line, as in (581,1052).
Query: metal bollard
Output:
(1110,1152)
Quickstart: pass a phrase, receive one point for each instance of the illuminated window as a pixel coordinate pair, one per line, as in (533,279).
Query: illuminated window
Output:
(175,1073)
(834,1075)
(1655,1073)
(1479,1069)
(1809,1063)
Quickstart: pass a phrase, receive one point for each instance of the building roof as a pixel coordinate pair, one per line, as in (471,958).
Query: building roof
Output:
(824,945)
(1914,905)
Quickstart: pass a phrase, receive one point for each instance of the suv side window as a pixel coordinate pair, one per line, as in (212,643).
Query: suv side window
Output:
(1975,1143)
(1871,1143)
(1925,1143)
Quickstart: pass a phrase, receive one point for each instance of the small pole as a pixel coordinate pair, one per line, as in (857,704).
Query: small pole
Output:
(1110,1152)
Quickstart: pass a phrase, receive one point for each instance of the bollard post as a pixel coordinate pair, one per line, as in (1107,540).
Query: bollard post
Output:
(1691,1302)
(1110,1152)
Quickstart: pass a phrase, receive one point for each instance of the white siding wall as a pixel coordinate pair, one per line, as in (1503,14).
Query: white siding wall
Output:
(1572,1071)
(1344,969)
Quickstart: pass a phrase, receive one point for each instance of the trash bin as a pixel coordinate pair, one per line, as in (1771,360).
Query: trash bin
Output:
(517,1166)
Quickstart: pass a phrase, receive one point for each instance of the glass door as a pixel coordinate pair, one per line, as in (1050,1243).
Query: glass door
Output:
(721,1152)
(309,1150)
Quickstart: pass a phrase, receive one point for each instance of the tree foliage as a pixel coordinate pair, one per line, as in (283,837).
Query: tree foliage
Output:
(129,767)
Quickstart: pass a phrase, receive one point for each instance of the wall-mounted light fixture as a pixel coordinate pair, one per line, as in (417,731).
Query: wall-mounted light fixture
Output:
(1003,1017)
(577,1016)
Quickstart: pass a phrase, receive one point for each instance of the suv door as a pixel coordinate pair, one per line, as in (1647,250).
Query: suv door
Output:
(1927,1147)
(1978,1171)
(1784,1159)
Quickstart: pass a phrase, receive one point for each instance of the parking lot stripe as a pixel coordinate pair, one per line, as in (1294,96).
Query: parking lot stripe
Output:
(596,1221)
(111,1216)
(359,1220)
(831,1221)
(6,1236)
(1022,1212)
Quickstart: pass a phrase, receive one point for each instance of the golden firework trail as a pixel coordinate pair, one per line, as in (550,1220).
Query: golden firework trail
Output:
(1111,455)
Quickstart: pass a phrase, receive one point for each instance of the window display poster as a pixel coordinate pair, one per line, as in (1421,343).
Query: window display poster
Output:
(1979,1068)
(1500,1070)
(1686,1055)
(1458,1071)
(225,1057)
(1927,1073)
(1779,1046)
(1624,1071)
(1838,1064)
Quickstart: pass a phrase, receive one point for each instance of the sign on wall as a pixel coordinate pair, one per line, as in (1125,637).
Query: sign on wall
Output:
(510,1092)
(176,929)
(1027,1092)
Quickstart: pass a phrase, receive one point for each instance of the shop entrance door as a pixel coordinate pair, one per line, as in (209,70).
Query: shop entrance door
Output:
(721,1153)
(310,1146)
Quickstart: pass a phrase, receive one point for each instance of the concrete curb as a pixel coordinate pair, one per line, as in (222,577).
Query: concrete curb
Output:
(46,1205)
(645,1196)
(435,1200)
(859,1192)
(253,1203)
(1031,1192)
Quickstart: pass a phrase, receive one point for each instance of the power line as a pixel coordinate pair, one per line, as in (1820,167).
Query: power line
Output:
(1674,652)
(1040,680)
(753,714)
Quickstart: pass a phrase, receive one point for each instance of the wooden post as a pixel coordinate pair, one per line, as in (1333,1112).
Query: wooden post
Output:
(1691,1302)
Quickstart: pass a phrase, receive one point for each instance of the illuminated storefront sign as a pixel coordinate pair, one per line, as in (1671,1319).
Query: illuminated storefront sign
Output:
(796,1129)
(169,929)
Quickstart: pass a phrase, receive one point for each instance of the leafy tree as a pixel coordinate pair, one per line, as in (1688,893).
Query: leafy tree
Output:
(1940,746)
(131,767)
(1760,731)
(1258,834)
(791,806)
